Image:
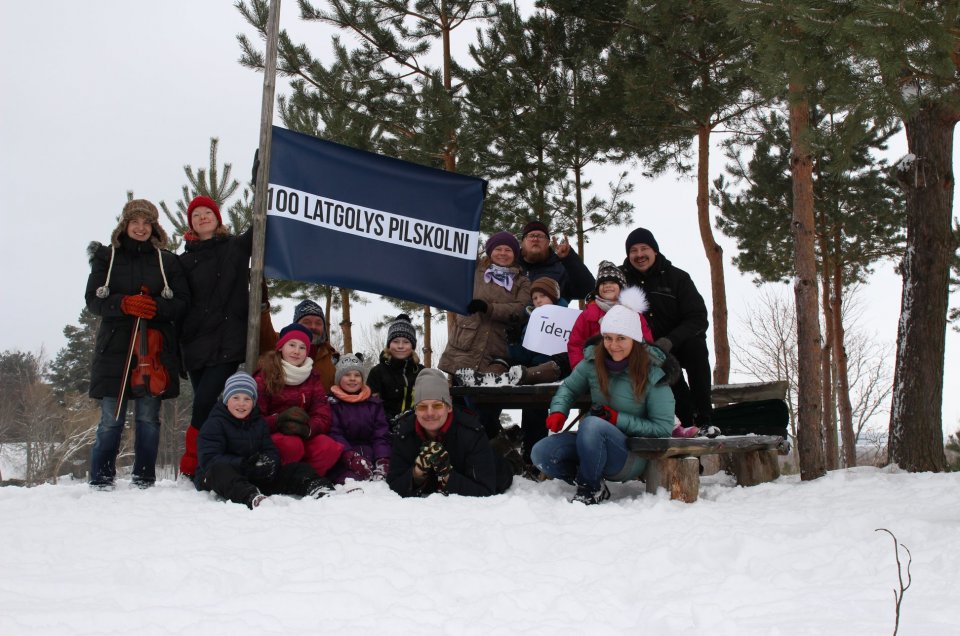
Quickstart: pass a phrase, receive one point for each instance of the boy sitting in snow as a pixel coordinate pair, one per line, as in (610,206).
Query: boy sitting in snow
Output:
(237,458)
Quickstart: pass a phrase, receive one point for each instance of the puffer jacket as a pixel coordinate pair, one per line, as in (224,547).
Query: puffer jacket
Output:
(652,416)
(308,395)
(393,380)
(224,438)
(135,264)
(477,470)
(361,427)
(677,310)
(479,338)
(215,328)
(587,325)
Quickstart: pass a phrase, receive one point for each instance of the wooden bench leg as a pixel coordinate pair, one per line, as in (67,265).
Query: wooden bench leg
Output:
(679,475)
(754,468)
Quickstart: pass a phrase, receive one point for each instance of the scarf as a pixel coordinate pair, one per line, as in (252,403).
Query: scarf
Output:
(350,398)
(502,276)
(616,367)
(295,376)
(604,304)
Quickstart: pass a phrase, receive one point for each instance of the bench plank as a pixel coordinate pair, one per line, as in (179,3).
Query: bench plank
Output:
(662,447)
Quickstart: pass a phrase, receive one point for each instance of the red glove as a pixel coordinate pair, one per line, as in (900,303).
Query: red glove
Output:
(604,412)
(141,306)
(555,422)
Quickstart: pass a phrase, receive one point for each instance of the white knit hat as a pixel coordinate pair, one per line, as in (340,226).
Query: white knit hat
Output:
(622,321)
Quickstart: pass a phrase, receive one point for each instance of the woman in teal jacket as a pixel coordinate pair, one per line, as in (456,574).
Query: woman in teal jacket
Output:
(630,399)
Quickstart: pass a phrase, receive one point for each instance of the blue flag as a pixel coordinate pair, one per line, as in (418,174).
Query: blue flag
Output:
(358,220)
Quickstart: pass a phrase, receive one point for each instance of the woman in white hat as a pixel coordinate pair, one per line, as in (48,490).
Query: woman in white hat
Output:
(630,399)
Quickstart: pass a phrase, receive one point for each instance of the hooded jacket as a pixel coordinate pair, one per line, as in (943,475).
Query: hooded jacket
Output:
(224,438)
(393,380)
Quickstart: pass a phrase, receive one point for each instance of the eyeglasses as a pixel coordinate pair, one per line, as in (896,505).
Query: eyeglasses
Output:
(423,408)
(536,236)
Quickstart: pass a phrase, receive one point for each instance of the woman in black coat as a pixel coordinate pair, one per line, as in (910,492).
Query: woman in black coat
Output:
(214,335)
(132,278)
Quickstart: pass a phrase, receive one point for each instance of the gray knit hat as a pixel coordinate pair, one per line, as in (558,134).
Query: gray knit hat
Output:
(431,384)
(350,362)
(240,382)
(402,328)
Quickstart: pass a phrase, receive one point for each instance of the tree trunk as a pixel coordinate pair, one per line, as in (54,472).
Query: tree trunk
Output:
(843,379)
(345,324)
(718,288)
(810,439)
(826,372)
(915,439)
(427,337)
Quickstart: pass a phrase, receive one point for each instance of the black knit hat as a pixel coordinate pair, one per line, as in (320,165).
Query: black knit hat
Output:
(402,328)
(610,273)
(641,235)
(535,226)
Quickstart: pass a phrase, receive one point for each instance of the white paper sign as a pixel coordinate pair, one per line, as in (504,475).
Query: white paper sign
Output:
(549,329)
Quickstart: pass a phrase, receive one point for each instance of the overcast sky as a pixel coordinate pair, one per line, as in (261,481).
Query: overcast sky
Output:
(109,96)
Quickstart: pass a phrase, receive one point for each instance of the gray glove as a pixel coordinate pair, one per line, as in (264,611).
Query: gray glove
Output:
(663,344)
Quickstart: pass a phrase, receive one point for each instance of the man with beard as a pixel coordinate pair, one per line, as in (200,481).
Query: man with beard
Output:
(678,319)
(539,256)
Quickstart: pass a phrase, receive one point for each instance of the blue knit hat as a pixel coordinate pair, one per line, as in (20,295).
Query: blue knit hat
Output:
(240,382)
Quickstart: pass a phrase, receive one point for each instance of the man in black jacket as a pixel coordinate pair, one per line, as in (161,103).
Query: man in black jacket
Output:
(678,319)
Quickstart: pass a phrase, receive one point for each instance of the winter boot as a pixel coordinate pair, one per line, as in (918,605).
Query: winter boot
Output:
(188,463)
(685,431)
(588,496)
(708,431)
(255,499)
(541,374)
(503,447)
(467,377)
(319,487)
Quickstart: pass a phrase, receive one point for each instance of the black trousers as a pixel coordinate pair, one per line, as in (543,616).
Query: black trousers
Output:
(230,483)
(533,426)
(693,393)
(207,385)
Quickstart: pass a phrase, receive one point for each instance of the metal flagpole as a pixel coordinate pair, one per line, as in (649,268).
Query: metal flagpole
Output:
(260,194)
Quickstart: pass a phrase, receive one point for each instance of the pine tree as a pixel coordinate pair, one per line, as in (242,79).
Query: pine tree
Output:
(910,51)
(859,221)
(70,370)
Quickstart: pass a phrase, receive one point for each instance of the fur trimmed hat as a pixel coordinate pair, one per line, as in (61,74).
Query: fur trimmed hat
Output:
(350,362)
(610,273)
(641,235)
(140,209)
(431,384)
(401,327)
(203,202)
(503,238)
(623,321)
(534,226)
(546,286)
(296,331)
(240,382)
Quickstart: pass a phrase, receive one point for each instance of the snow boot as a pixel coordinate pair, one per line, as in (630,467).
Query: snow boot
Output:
(685,431)
(467,377)
(319,487)
(188,463)
(255,499)
(541,374)
(588,496)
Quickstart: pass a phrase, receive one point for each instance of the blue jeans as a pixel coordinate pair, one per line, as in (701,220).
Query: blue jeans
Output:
(103,459)
(596,451)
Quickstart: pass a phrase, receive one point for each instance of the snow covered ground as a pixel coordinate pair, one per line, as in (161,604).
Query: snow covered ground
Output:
(781,558)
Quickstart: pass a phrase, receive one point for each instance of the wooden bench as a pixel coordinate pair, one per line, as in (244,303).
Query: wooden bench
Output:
(673,463)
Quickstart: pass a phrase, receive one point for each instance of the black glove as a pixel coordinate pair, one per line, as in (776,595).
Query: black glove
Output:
(477,306)
(259,466)
(294,421)
(671,371)
(663,344)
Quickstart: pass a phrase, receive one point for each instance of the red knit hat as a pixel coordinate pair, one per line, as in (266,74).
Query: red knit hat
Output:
(203,202)
(295,331)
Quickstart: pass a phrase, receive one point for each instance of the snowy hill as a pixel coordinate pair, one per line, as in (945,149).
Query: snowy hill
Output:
(781,558)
